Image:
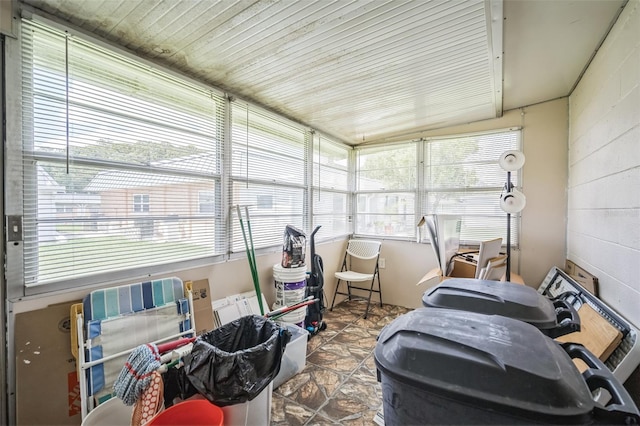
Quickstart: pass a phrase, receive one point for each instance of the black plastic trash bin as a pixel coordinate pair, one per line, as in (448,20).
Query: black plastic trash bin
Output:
(553,317)
(442,366)
(234,363)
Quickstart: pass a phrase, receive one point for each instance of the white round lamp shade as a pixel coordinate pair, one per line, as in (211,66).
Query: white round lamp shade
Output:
(513,202)
(511,160)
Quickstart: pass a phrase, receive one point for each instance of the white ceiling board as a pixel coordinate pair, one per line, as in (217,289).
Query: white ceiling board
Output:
(361,70)
(548,44)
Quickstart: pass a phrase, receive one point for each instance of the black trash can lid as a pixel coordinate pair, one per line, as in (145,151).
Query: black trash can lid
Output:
(489,360)
(493,298)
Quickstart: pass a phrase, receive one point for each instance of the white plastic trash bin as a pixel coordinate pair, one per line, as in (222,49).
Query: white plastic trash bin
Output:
(111,412)
(294,356)
(255,412)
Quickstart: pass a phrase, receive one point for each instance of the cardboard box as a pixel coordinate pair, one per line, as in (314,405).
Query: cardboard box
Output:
(203,310)
(582,277)
(47,390)
(463,268)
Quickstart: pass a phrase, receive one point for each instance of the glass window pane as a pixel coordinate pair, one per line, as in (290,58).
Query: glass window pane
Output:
(389,168)
(386,214)
(117,157)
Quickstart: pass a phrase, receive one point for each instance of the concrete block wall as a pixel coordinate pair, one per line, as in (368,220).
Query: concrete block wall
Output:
(603,224)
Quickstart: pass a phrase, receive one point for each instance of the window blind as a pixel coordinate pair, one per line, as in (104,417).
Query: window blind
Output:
(330,187)
(268,173)
(462,177)
(117,157)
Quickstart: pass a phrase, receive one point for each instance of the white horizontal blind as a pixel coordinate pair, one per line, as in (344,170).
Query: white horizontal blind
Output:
(330,187)
(462,177)
(268,173)
(386,190)
(121,162)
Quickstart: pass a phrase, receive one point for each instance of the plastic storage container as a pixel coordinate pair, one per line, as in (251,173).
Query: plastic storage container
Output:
(294,357)
(442,366)
(552,317)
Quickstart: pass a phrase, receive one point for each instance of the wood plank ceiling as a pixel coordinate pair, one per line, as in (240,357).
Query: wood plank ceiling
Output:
(359,70)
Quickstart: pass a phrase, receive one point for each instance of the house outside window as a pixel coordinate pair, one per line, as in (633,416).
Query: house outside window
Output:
(206,202)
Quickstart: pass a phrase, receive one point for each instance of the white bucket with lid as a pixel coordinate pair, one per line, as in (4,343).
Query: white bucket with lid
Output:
(289,275)
(290,284)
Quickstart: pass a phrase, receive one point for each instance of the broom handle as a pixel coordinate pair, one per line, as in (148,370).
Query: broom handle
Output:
(292,308)
(308,301)
(256,281)
(165,347)
(252,266)
(246,244)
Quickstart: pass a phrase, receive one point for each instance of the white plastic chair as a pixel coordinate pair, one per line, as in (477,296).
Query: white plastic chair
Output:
(366,254)
(488,250)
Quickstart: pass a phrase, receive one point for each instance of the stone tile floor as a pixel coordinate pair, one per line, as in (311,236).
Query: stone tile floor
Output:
(338,385)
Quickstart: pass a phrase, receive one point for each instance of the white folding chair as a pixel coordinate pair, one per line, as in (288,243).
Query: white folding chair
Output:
(488,250)
(360,264)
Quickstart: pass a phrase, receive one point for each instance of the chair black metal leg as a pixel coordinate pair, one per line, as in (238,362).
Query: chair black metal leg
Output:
(371,291)
(335,292)
(366,312)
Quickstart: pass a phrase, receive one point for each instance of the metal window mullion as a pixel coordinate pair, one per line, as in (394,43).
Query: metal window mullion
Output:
(104,164)
(19,136)
(223,197)
(353,186)
(420,184)
(309,171)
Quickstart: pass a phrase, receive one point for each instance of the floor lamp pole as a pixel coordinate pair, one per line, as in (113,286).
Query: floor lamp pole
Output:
(508,272)
(512,200)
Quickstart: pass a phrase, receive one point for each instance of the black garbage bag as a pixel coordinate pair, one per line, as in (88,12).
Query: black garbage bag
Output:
(234,363)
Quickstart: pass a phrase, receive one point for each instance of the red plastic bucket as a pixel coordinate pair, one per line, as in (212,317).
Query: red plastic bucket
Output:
(191,412)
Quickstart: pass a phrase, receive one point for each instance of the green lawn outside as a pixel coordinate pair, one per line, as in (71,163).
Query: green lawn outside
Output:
(83,256)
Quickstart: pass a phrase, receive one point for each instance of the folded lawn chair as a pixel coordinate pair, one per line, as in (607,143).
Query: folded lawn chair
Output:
(112,322)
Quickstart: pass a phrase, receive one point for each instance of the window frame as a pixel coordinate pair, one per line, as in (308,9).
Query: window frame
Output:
(321,188)
(409,188)
(423,192)
(17,286)
(258,134)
